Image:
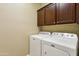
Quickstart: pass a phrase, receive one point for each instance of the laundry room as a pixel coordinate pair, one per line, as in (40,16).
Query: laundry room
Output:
(54,18)
(39,29)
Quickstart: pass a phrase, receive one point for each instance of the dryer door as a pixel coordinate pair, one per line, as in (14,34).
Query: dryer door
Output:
(52,51)
(35,47)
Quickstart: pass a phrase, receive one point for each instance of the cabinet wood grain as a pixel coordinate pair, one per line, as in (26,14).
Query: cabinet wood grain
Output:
(40,17)
(50,14)
(65,13)
(77,13)
(58,13)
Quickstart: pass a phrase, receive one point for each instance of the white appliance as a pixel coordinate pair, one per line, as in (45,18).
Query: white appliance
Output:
(55,44)
(50,49)
(35,43)
(60,44)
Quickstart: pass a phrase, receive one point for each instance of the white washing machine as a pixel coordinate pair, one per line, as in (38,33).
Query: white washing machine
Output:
(60,44)
(35,43)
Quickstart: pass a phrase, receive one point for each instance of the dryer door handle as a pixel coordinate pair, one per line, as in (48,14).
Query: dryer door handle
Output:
(52,45)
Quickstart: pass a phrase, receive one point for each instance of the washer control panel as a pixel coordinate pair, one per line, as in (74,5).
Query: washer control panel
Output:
(58,35)
(67,39)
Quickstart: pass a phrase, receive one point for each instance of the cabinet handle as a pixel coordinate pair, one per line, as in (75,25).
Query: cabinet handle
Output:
(57,22)
(53,45)
(54,22)
(45,52)
(61,19)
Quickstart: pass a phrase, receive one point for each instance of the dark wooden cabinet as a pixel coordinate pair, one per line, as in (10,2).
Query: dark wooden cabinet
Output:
(46,15)
(40,14)
(50,14)
(65,13)
(58,13)
(77,13)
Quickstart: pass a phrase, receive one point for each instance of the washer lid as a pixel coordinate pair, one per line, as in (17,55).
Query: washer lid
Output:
(66,39)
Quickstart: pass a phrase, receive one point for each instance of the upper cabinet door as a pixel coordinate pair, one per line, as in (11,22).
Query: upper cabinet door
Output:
(40,14)
(77,13)
(65,13)
(50,14)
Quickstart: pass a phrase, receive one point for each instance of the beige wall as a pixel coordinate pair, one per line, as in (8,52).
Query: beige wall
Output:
(17,21)
(43,4)
(73,28)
